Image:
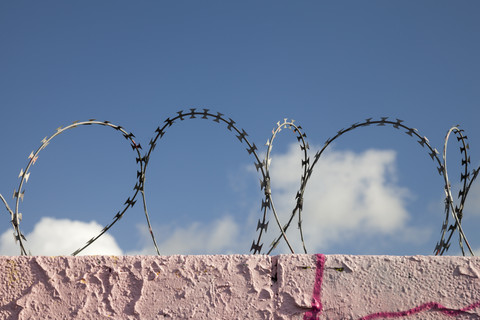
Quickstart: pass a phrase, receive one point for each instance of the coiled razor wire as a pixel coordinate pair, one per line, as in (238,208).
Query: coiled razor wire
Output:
(263,167)
(24,175)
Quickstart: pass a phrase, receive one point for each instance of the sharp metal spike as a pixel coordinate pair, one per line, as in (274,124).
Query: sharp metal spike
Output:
(382,121)
(130,202)
(129,135)
(181,115)
(262,184)
(160,132)
(262,225)
(464,162)
(218,117)
(169,122)
(256,248)
(411,131)
(17,194)
(135,146)
(258,165)
(440,170)
(265,204)
(423,141)
(242,135)
(230,124)
(205,113)
(305,162)
(252,149)
(141,159)
(397,124)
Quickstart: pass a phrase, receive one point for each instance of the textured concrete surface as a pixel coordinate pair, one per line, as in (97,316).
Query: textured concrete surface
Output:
(240,287)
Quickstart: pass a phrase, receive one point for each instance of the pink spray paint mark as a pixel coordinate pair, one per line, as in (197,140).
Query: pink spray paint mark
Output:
(317,288)
(434,306)
(427,306)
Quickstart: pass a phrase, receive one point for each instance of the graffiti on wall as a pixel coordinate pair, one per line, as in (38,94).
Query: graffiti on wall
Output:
(432,306)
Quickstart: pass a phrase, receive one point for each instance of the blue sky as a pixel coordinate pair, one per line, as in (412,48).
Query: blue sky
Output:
(325,64)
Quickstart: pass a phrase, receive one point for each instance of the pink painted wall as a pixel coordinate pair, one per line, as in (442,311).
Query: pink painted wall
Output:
(240,287)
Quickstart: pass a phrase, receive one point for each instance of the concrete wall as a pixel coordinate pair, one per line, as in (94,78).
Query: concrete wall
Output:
(240,287)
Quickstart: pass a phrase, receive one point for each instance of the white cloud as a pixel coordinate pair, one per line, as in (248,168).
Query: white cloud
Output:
(349,195)
(220,236)
(61,237)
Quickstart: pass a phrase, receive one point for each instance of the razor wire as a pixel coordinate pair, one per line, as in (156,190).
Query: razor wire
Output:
(24,176)
(457,211)
(299,196)
(262,225)
(263,167)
